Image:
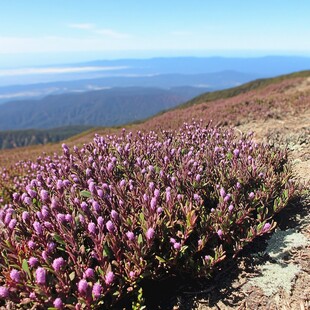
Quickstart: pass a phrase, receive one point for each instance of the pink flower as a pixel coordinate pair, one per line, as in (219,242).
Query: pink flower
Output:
(114,215)
(4,292)
(31,244)
(172,240)
(153,203)
(110,226)
(109,278)
(58,263)
(156,193)
(236,152)
(177,246)
(33,261)
(130,235)
(44,195)
(89,273)
(15,275)
(150,233)
(100,221)
(159,210)
(83,286)
(12,224)
(266,227)
(58,304)
(25,216)
(40,275)
(92,228)
(227,197)
(97,290)
(207,258)
(220,233)
(222,192)
(38,228)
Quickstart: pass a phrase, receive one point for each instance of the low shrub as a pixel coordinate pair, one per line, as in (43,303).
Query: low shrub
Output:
(83,229)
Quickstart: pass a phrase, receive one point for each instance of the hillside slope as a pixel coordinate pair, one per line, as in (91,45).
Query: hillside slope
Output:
(278,111)
(270,99)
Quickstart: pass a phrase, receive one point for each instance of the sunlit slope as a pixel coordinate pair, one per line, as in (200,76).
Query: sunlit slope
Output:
(274,98)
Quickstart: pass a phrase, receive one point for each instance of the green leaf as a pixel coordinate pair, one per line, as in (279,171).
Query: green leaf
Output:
(51,308)
(140,239)
(184,248)
(25,267)
(7,242)
(160,259)
(59,239)
(100,271)
(85,194)
(72,275)
(106,251)
(229,155)
(141,216)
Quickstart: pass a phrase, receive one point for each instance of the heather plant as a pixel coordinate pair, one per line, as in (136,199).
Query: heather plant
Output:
(83,229)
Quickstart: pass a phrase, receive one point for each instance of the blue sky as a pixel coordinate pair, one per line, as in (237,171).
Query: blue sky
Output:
(47,31)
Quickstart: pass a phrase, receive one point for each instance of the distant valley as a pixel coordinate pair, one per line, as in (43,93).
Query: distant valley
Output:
(108,107)
(10,139)
(202,81)
(74,97)
(208,72)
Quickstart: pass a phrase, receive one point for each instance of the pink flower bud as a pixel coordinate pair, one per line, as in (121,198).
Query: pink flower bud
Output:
(109,278)
(150,233)
(40,275)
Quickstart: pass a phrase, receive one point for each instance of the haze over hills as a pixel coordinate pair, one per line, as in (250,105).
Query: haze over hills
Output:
(116,92)
(215,72)
(19,138)
(204,81)
(108,107)
(264,100)
(262,66)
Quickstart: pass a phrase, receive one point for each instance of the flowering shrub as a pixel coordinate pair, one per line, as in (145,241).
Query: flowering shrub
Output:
(83,229)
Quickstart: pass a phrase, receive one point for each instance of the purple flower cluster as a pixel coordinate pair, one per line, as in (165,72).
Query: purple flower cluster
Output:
(89,223)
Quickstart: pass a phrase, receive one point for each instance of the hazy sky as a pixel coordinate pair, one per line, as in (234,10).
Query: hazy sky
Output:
(50,31)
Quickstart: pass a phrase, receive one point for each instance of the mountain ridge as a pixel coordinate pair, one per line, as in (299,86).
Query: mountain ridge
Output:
(94,108)
(278,99)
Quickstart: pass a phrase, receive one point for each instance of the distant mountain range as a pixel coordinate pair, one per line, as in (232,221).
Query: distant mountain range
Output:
(210,81)
(17,138)
(246,102)
(260,66)
(108,107)
(214,73)
(116,92)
